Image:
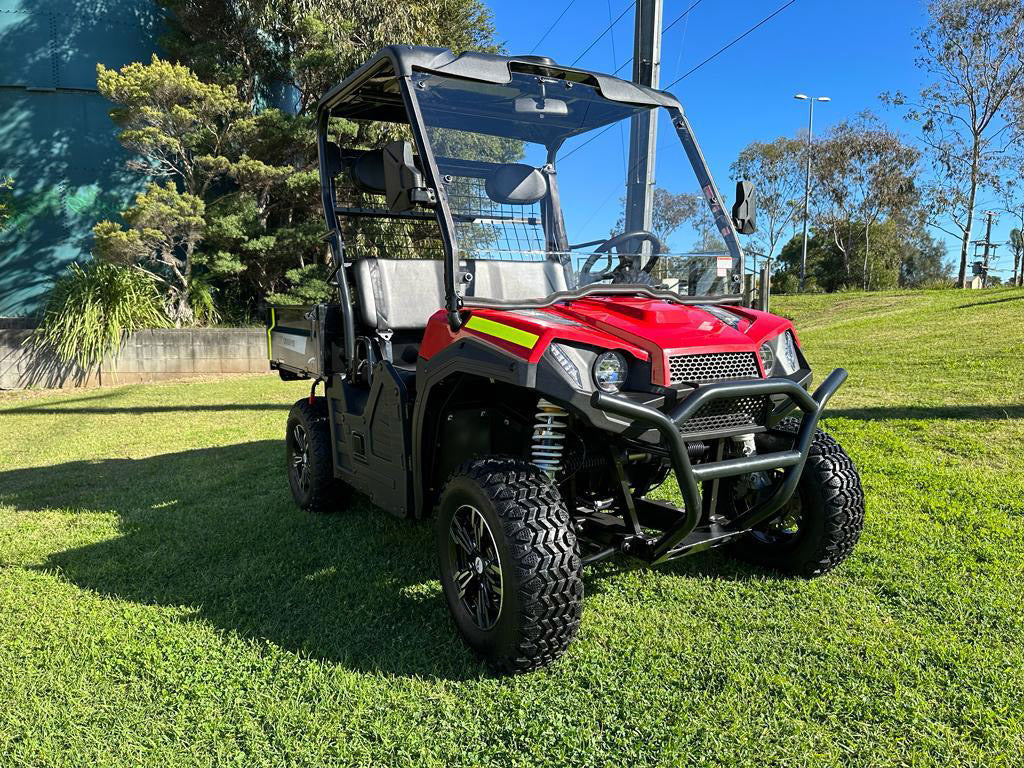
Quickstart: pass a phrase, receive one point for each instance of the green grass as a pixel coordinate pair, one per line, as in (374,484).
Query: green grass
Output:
(162,602)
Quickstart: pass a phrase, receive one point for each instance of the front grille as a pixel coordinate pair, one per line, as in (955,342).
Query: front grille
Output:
(726,414)
(716,366)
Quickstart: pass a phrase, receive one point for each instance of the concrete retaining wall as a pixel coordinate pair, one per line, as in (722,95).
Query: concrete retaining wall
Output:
(147,356)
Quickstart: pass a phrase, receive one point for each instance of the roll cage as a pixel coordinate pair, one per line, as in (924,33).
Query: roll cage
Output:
(382,91)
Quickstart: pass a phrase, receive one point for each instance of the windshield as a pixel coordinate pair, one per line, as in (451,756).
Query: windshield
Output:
(535,173)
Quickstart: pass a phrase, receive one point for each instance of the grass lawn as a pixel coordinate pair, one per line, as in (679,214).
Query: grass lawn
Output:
(162,602)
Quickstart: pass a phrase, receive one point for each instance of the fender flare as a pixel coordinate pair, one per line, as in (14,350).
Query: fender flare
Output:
(470,356)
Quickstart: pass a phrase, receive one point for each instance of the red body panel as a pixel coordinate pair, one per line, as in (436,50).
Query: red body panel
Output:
(648,329)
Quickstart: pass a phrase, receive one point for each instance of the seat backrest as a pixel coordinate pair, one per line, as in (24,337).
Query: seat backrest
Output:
(515,280)
(402,294)
(399,294)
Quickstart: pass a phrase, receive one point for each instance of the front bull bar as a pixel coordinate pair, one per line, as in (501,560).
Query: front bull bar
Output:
(688,476)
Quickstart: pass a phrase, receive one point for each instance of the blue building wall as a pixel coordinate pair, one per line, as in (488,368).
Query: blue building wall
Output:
(56,139)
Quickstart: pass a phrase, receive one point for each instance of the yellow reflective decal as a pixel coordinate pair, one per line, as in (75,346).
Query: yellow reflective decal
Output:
(273,324)
(502,331)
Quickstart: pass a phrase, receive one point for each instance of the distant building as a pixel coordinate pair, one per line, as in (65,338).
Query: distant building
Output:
(56,138)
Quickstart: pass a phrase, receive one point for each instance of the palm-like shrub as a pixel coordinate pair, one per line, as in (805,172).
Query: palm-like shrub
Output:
(93,308)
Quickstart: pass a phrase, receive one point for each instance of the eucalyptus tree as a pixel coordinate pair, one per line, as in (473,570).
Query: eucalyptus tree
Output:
(972,53)
(863,172)
(1017,247)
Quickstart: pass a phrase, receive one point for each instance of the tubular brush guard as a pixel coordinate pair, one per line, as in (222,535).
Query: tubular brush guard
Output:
(688,476)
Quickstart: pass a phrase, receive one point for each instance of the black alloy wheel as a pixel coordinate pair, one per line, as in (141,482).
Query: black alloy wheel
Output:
(477,566)
(310,464)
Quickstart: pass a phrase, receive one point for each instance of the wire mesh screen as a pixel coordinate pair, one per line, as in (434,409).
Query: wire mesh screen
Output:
(371,231)
(487,229)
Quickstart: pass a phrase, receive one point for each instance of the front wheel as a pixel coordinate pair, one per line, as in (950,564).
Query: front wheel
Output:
(820,524)
(510,568)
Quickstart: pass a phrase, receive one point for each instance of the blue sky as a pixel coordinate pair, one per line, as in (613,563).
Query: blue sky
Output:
(850,51)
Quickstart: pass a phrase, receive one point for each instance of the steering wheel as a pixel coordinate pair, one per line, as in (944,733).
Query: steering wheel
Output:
(626,271)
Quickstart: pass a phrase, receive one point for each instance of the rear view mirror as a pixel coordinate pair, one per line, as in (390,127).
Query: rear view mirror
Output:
(403,181)
(744,212)
(529,105)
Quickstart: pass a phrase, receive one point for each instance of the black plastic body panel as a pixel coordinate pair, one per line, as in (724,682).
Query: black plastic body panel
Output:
(467,356)
(371,436)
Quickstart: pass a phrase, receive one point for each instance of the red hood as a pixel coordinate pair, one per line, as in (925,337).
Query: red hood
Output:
(649,329)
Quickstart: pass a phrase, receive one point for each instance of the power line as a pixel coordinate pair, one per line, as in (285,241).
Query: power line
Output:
(721,50)
(622,136)
(607,29)
(669,26)
(553,25)
(717,53)
(731,43)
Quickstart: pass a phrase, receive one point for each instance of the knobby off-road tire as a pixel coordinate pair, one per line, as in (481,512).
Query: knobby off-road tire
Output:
(310,464)
(825,516)
(528,577)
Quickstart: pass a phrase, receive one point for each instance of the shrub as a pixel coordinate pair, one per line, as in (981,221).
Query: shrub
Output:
(93,308)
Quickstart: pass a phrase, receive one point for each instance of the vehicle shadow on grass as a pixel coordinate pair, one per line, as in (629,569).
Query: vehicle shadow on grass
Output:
(215,530)
(143,409)
(924,412)
(710,565)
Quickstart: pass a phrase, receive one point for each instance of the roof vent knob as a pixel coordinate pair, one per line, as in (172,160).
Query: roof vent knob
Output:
(545,61)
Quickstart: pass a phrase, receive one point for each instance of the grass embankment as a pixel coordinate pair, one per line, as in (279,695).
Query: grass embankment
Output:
(162,602)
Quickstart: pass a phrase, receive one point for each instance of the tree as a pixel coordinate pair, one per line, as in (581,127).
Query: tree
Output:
(973,52)
(266,47)
(672,210)
(263,220)
(863,172)
(179,127)
(162,231)
(709,239)
(774,167)
(195,136)
(1017,246)
(923,262)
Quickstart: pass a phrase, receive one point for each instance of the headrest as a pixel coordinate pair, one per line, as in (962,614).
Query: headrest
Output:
(367,172)
(516,183)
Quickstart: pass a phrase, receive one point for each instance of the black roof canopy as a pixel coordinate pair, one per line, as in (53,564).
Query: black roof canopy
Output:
(372,91)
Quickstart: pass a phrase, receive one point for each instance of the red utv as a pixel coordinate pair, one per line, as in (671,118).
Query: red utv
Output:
(506,354)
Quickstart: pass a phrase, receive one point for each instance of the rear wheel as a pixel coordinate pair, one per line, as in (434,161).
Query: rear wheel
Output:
(510,568)
(819,526)
(308,453)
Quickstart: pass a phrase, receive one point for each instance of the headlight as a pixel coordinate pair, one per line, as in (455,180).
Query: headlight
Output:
(610,369)
(779,356)
(564,357)
(768,358)
(786,353)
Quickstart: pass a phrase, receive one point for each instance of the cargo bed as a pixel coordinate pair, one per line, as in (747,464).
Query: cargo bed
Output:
(299,340)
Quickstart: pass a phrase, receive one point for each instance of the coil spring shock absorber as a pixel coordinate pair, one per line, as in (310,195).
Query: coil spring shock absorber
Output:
(548,437)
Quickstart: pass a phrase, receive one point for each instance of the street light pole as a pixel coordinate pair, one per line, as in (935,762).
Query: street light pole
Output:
(807,182)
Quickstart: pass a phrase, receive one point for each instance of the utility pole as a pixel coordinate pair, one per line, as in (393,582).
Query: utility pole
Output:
(989,215)
(807,181)
(643,131)
(981,263)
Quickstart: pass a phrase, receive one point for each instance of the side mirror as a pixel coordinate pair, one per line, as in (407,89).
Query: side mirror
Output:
(403,181)
(744,212)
